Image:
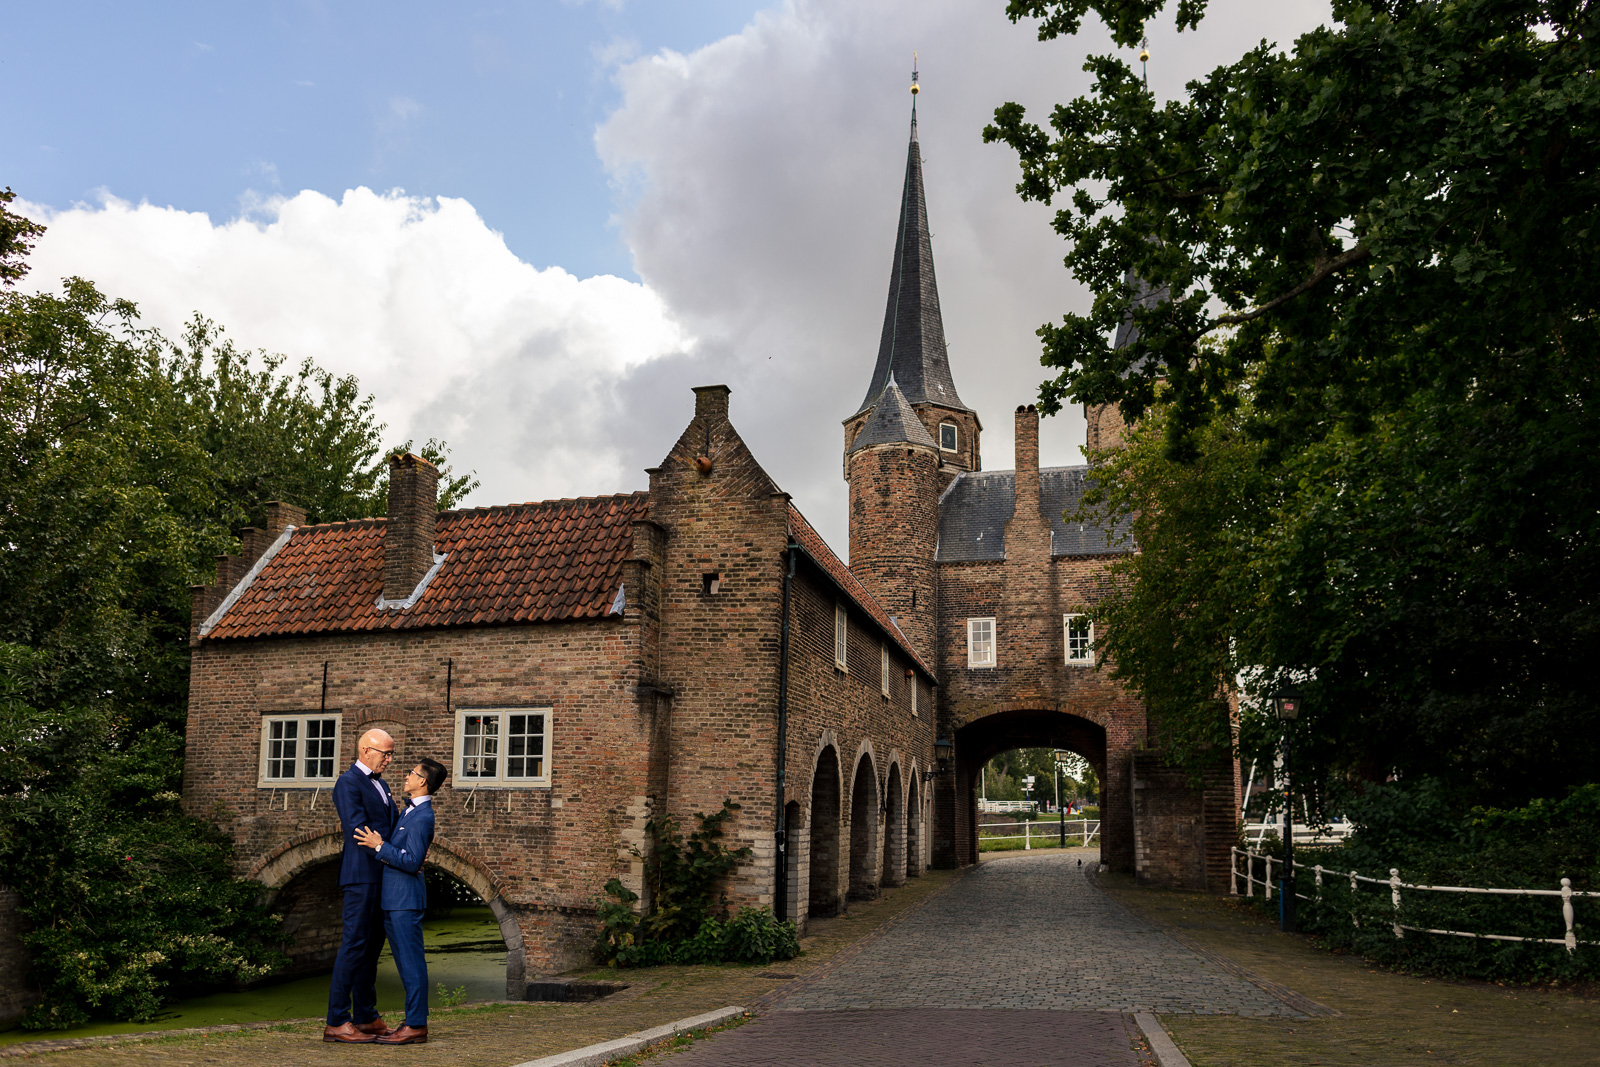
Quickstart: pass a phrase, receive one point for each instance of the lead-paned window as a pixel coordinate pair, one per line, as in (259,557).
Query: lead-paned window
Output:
(980,643)
(503,746)
(1079,636)
(299,749)
(948,438)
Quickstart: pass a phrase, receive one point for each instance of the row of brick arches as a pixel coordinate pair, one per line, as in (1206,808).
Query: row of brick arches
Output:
(843,853)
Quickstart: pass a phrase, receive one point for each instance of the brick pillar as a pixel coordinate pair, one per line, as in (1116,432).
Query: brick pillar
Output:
(413,518)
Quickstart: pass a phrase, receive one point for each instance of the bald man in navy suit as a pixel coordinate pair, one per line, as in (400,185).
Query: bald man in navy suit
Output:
(363,800)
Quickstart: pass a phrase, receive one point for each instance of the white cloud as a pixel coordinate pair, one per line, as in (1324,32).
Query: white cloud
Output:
(761,178)
(518,368)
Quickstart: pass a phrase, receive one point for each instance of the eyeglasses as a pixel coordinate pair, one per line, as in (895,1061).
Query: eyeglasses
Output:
(386,753)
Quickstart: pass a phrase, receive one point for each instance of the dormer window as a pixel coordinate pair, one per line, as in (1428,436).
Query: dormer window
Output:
(949,441)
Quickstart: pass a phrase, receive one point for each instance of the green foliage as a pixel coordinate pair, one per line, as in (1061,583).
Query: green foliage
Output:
(17,236)
(1366,378)
(127,460)
(688,921)
(449,998)
(127,901)
(1414,829)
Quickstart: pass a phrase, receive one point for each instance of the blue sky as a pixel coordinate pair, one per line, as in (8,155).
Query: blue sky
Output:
(193,104)
(604,205)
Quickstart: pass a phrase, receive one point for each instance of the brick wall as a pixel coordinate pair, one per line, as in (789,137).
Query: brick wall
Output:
(545,852)
(720,658)
(894,528)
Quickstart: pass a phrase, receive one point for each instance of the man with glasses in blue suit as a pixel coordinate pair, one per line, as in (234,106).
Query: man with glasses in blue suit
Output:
(405,895)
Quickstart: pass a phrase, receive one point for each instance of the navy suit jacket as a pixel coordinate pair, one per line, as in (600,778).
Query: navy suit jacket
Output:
(404,888)
(359,805)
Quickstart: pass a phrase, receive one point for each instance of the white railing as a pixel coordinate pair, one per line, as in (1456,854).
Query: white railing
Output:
(1566,893)
(1303,834)
(1005,807)
(1088,830)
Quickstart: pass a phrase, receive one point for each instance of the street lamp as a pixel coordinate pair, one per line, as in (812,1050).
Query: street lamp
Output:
(943,753)
(1286,704)
(1062,757)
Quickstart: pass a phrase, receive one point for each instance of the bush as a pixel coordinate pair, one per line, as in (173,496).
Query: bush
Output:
(688,921)
(1413,830)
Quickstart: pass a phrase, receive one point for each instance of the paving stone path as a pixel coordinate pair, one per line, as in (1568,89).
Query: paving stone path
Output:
(1022,962)
(1032,932)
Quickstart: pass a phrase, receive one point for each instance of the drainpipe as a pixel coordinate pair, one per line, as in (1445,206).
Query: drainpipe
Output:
(780,892)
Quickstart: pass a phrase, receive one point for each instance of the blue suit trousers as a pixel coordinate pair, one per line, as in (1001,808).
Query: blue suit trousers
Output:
(353,993)
(404,929)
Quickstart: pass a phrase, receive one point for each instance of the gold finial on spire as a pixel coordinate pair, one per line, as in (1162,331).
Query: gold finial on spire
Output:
(1144,60)
(915,88)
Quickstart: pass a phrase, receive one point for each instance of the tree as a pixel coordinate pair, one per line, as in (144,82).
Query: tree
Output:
(1365,354)
(126,463)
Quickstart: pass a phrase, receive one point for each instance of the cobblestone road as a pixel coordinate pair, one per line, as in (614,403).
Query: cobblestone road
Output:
(1020,963)
(1031,932)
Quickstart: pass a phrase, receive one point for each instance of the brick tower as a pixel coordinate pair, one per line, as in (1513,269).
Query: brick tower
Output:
(911,350)
(913,435)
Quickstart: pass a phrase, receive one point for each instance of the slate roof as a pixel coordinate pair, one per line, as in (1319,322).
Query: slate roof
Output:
(912,347)
(519,563)
(893,422)
(974,510)
(1144,296)
(811,542)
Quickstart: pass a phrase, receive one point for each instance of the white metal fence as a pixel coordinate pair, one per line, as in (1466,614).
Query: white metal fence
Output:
(1005,807)
(1049,832)
(1395,885)
(1303,834)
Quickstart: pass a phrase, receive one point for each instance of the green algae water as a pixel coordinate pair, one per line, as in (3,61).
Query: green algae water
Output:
(464,949)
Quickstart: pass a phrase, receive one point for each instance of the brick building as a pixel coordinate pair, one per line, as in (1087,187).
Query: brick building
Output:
(582,665)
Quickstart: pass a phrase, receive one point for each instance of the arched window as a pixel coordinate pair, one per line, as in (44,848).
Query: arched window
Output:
(949,441)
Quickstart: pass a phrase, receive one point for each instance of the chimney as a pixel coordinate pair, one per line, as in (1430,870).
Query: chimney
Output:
(413,518)
(711,402)
(280,516)
(1027,461)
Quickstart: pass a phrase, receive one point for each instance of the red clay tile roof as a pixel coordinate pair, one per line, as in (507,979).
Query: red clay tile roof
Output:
(815,547)
(541,562)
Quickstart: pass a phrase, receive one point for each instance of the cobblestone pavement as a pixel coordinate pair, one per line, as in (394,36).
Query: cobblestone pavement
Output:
(1031,932)
(1016,1038)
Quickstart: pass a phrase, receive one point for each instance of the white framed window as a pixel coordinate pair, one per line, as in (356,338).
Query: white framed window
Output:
(883,669)
(299,750)
(841,637)
(980,643)
(949,437)
(1078,631)
(914,686)
(502,746)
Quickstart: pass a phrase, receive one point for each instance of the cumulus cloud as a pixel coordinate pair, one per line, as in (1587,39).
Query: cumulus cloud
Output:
(757,181)
(761,176)
(519,368)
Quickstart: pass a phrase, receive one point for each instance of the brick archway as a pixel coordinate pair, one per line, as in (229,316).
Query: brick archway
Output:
(1106,749)
(865,808)
(308,856)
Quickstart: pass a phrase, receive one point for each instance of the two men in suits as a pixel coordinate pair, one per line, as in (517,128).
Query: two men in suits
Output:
(363,799)
(405,895)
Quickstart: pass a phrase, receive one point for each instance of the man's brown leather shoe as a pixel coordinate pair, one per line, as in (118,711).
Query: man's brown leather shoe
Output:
(406,1035)
(347,1033)
(377,1027)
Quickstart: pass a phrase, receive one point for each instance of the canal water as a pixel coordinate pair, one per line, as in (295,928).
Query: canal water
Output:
(464,951)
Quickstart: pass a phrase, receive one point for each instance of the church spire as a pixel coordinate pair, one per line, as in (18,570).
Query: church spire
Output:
(912,347)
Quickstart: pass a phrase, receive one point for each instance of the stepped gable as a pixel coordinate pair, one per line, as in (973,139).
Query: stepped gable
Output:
(892,422)
(911,350)
(549,561)
(811,542)
(974,511)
